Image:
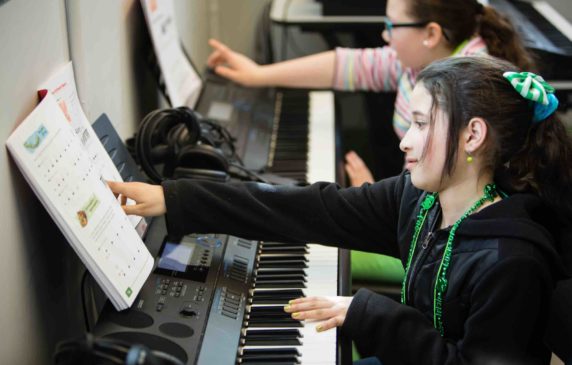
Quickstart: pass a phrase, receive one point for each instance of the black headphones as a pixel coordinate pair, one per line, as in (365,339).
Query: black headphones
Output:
(104,351)
(185,144)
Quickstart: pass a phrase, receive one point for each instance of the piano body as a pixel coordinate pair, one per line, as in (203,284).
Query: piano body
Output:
(547,33)
(222,301)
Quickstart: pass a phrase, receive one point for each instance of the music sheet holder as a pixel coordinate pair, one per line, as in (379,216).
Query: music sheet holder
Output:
(248,113)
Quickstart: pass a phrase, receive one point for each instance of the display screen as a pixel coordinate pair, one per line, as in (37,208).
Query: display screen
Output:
(175,256)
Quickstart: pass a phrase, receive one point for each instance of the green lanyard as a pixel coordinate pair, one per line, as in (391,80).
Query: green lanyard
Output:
(460,47)
(442,281)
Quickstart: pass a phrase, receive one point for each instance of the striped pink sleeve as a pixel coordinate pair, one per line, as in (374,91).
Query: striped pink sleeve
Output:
(373,69)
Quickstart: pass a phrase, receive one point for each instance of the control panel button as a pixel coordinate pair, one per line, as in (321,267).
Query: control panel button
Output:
(187,312)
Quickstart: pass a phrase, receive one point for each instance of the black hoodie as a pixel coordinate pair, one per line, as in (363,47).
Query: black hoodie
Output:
(503,269)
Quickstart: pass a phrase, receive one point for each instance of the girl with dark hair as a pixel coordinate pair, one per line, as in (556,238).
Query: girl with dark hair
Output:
(478,221)
(418,32)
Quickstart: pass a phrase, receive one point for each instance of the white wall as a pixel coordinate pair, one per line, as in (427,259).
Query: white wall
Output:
(33,41)
(40,273)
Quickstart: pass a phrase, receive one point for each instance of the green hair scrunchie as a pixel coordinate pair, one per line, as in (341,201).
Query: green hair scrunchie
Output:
(533,87)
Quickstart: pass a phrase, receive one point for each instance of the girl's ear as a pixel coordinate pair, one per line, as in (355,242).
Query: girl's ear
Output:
(434,35)
(475,134)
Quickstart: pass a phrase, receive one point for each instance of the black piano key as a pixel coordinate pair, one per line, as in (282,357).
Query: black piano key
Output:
(267,309)
(268,362)
(282,244)
(262,277)
(281,284)
(268,357)
(291,165)
(266,337)
(269,352)
(283,263)
(275,309)
(290,155)
(279,293)
(270,270)
(281,332)
(271,342)
(261,317)
(278,296)
(273,322)
(298,250)
(282,257)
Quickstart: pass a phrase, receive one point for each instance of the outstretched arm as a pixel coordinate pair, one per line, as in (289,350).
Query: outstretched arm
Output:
(315,71)
(364,218)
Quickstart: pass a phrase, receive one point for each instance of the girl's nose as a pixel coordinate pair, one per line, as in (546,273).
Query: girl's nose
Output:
(404,143)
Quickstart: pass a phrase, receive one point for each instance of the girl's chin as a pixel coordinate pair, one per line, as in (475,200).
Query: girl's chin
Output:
(420,183)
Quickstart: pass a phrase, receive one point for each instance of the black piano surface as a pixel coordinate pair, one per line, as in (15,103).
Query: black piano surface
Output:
(200,319)
(552,48)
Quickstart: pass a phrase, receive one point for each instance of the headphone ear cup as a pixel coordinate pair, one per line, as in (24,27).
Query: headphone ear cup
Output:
(159,153)
(191,121)
(202,157)
(144,145)
(200,174)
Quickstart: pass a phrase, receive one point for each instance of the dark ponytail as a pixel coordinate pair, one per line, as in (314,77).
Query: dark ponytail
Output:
(463,19)
(502,39)
(544,165)
(524,156)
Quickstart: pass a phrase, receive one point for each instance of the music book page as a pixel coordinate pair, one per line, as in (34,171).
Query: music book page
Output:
(182,82)
(62,86)
(65,179)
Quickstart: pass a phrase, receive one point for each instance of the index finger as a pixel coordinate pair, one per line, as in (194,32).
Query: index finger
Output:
(218,45)
(117,187)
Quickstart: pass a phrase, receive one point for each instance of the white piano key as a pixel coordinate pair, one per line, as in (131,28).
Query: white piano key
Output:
(318,348)
(322,150)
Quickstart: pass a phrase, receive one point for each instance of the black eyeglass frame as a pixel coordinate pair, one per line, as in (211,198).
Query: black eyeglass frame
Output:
(389,25)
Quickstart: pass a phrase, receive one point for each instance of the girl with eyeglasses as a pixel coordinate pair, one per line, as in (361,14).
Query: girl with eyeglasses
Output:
(418,32)
(479,220)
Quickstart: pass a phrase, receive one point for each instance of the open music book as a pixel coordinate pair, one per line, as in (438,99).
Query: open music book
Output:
(65,179)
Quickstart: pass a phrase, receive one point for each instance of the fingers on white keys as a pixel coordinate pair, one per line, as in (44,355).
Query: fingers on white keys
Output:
(316,308)
(329,324)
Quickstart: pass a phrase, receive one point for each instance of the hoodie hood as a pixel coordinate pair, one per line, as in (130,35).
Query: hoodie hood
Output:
(525,217)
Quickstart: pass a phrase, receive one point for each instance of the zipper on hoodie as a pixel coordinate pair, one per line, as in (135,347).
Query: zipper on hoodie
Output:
(426,247)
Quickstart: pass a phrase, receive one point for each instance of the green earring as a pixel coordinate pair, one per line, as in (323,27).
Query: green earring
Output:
(469,158)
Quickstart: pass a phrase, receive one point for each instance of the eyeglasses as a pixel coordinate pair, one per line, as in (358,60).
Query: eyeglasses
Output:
(388,25)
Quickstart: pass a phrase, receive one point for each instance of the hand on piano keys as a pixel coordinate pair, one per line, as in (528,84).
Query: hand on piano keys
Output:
(285,272)
(331,311)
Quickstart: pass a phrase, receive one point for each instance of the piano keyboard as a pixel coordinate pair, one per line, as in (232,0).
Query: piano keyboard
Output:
(303,147)
(285,272)
(231,310)
(303,140)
